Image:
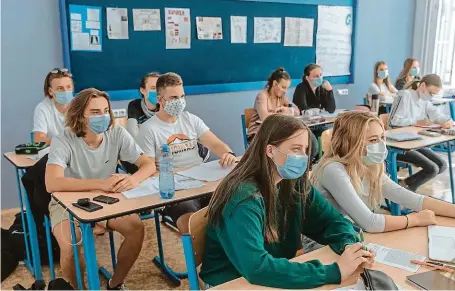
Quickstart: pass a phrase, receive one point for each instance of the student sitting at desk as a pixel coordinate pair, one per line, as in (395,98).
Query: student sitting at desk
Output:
(181,130)
(272,100)
(84,158)
(49,117)
(313,91)
(351,176)
(414,107)
(410,72)
(256,218)
(381,84)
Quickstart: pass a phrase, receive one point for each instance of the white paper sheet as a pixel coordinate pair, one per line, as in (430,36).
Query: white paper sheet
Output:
(298,31)
(267,30)
(93,15)
(117,23)
(76,16)
(81,41)
(178,28)
(76,26)
(333,40)
(146,19)
(209,28)
(396,258)
(238,29)
(92,25)
(209,172)
(151,186)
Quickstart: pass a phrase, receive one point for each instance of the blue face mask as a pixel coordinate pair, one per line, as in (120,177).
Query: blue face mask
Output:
(152,97)
(316,82)
(294,167)
(64,97)
(414,72)
(383,74)
(99,123)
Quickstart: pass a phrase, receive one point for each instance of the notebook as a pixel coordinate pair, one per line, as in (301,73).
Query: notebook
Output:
(441,243)
(431,281)
(403,136)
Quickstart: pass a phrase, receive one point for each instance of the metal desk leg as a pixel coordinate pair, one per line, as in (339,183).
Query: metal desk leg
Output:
(452,110)
(173,276)
(395,209)
(449,153)
(88,242)
(32,234)
(77,263)
(47,228)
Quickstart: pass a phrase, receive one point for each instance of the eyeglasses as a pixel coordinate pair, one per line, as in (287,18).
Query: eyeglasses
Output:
(59,71)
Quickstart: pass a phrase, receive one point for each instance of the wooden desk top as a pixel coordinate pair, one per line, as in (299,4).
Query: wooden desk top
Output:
(397,239)
(435,101)
(426,141)
(126,206)
(19,161)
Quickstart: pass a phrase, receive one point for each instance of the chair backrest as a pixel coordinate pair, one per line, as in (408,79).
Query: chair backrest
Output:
(122,121)
(366,101)
(385,119)
(326,138)
(198,222)
(249,112)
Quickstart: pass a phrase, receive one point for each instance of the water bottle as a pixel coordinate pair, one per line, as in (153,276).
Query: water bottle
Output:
(291,107)
(375,103)
(167,184)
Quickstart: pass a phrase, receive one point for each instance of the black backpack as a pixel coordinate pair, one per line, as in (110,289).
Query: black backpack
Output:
(9,260)
(57,284)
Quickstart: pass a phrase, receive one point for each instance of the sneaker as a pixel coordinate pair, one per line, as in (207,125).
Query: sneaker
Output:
(118,287)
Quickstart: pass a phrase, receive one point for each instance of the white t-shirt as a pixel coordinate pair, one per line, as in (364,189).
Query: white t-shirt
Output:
(382,88)
(182,137)
(48,119)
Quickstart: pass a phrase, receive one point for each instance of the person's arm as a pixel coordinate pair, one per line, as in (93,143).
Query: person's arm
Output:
(39,136)
(327,99)
(261,105)
(439,207)
(325,224)
(299,97)
(241,236)
(436,115)
(132,127)
(373,89)
(399,113)
(40,126)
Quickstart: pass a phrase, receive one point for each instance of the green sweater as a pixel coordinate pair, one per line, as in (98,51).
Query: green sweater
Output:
(237,248)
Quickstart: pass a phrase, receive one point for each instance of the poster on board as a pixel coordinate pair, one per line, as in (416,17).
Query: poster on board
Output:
(85,28)
(178,28)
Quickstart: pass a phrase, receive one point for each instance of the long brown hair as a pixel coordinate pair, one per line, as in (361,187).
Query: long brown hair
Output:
(277,75)
(257,168)
(406,68)
(145,79)
(347,147)
(55,74)
(386,80)
(75,118)
(431,79)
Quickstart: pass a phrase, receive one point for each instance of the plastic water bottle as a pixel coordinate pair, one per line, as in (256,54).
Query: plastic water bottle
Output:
(375,103)
(167,184)
(291,107)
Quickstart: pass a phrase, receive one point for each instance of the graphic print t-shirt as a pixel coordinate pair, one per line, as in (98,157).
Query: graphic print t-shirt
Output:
(181,136)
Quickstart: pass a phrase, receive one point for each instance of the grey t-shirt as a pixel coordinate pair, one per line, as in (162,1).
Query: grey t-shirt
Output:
(82,162)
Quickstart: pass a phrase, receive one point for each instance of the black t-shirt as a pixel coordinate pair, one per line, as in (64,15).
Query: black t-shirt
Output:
(135,111)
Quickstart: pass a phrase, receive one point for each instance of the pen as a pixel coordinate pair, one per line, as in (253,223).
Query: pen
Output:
(445,269)
(441,265)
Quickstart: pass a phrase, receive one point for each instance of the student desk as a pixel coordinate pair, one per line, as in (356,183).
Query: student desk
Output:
(32,255)
(124,207)
(435,101)
(396,148)
(396,239)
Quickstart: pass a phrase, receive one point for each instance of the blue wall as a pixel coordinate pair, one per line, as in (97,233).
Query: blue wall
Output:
(384,32)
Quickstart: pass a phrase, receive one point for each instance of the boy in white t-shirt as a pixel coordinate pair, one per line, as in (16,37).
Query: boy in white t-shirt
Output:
(49,117)
(181,131)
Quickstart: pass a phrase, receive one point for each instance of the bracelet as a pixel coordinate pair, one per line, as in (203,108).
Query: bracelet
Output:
(407,222)
(232,154)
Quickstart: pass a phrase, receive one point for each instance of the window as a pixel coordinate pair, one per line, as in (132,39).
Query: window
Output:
(434,39)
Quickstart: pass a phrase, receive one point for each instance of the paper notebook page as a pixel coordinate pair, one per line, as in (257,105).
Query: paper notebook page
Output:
(144,189)
(181,183)
(396,258)
(210,172)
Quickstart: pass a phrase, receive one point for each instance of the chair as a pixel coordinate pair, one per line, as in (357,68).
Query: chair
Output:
(385,119)
(366,100)
(122,121)
(193,246)
(326,137)
(246,118)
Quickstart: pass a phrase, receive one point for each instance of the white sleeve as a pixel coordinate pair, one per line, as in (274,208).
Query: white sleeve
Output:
(435,114)
(373,89)
(337,181)
(59,153)
(399,115)
(400,195)
(146,141)
(129,150)
(39,120)
(132,127)
(198,125)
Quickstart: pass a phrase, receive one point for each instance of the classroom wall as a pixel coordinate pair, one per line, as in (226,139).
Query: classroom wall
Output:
(388,37)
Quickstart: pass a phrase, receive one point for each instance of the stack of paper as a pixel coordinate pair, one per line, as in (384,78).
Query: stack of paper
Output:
(209,172)
(396,258)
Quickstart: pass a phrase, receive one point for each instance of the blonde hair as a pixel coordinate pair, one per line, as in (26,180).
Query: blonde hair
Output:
(386,80)
(406,68)
(347,147)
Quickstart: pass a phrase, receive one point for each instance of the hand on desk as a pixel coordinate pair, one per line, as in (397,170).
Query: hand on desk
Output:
(353,257)
(447,125)
(228,159)
(423,218)
(117,183)
(424,122)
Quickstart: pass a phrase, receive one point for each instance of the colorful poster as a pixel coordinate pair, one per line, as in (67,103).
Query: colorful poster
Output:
(85,30)
(178,28)
(209,28)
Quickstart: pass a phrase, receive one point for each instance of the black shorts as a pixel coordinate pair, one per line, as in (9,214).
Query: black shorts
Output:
(179,209)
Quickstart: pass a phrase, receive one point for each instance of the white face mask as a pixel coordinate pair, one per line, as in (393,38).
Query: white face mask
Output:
(175,107)
(376,154)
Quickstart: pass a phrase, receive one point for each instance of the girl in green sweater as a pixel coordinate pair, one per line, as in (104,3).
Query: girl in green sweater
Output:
(256,218)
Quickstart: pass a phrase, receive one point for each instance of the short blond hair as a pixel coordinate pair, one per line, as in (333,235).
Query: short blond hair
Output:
(168,80)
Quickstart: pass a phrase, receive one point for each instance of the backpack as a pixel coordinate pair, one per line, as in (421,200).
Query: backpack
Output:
(57,284)
(9,260)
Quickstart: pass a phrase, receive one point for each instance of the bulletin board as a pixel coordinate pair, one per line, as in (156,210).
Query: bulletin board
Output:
(209,66)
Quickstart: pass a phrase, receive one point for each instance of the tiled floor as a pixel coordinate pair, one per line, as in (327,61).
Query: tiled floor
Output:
(144,274)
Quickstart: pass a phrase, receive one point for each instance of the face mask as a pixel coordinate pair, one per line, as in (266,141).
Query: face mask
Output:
(99,123)
(151,97)
(64,97)
(175,107)
(414,72)
(426,96)
(383,74)
(316,82)
(376,154)
(294,167)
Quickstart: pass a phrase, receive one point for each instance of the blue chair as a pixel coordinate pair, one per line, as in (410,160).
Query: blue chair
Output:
(193,246)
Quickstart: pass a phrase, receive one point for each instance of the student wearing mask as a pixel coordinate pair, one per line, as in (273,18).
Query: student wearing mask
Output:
(272,100)
(410,72)
(84,158)
(313,91)
(49,117)
(351,176)
(256,217)
(381,83)
(414,107)
(182,131)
